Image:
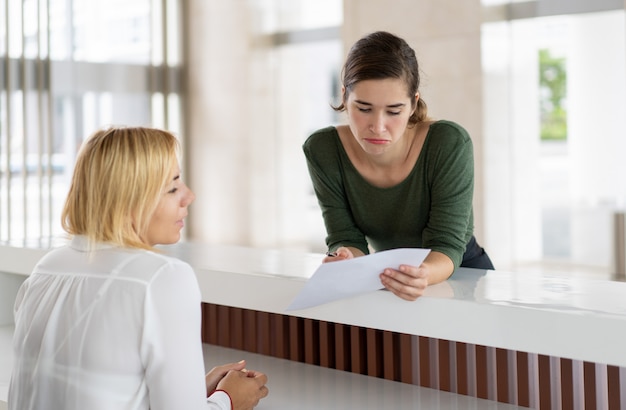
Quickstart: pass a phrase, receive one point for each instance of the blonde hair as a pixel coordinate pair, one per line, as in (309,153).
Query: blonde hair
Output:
(118,179)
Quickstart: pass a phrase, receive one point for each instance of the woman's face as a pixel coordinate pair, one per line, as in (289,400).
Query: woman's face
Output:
(167,220)
(378,112)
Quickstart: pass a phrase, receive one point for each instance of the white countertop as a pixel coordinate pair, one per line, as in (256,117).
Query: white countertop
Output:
(582,319)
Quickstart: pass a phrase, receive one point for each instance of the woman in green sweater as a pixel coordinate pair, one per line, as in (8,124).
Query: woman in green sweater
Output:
(392,177)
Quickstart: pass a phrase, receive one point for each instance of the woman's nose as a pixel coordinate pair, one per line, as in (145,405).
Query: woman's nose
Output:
(189,197)
(378,125)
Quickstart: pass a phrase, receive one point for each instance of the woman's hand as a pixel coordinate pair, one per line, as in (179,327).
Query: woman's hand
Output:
(245,388)
(217,373)
(409,282)
(342,253)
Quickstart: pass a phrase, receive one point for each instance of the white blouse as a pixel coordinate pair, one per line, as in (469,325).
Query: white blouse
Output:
(108,329)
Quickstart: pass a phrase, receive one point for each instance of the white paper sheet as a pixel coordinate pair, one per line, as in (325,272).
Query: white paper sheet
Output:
(342,279)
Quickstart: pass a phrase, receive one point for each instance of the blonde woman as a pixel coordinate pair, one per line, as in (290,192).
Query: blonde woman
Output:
(107,321)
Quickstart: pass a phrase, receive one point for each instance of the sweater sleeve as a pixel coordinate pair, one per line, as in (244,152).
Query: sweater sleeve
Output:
(322,151)
(451,177)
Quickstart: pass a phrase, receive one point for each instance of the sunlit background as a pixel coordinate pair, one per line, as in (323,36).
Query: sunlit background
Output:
(243,83)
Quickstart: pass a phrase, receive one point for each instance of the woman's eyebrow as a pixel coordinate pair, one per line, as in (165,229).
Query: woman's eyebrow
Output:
(176,177)
(397,105)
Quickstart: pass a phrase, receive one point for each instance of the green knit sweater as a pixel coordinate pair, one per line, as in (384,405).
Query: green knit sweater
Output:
(431,208)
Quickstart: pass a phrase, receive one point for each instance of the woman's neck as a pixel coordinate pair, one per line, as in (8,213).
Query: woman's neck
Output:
(393,166)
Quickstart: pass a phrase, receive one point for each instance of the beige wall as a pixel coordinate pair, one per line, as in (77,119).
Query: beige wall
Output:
(217,83)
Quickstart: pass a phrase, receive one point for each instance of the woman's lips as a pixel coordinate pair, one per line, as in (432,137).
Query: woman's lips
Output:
(376,141)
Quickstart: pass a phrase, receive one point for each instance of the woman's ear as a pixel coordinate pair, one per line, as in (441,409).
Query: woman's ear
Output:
(417,98)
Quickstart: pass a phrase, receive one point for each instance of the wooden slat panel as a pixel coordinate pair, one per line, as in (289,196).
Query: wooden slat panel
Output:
(204,324)
(279,337)
(223,326)
(296,347)
(523,376)
(462,386)
(263,330)
(327,344)
(311,342)
(390,355)
(236,328)
(444,365)
(249,324)
(589,377)
(424,361)
(342,347)
(482,377)
(406,357)
(374,353)
(358,354)
(545,398)
(502,375)
(614,388)
(389,358)
(567,384)
(434,362)
(209,323)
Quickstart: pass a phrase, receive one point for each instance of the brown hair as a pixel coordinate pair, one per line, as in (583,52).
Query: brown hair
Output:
(381,55)
(118,179)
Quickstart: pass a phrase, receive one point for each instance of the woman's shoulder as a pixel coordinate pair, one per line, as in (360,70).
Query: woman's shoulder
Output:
(324,149)
(323,138)
(449,130)
(140,265)
(161,261)
(145,265)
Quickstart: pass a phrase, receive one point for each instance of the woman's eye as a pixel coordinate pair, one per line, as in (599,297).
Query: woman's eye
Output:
(393,112)
(363,109)
(172,191)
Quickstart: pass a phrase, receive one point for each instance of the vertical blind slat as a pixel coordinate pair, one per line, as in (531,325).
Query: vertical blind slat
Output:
(25,142)
(8,120)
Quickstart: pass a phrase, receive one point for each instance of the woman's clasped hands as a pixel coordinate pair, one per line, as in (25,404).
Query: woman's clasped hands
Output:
(245,387)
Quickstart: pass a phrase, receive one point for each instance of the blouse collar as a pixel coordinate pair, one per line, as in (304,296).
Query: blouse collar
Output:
(81,243)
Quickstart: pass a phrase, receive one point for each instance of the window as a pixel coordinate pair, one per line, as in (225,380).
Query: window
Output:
(553,191)
(68,68)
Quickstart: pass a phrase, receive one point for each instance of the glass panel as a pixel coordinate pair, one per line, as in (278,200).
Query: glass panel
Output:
(310,70)
(567,186)
(101,75)
(292,15)
(294,79)
(111,31)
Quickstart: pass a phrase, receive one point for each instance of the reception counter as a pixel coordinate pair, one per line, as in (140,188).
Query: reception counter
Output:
(532,340)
